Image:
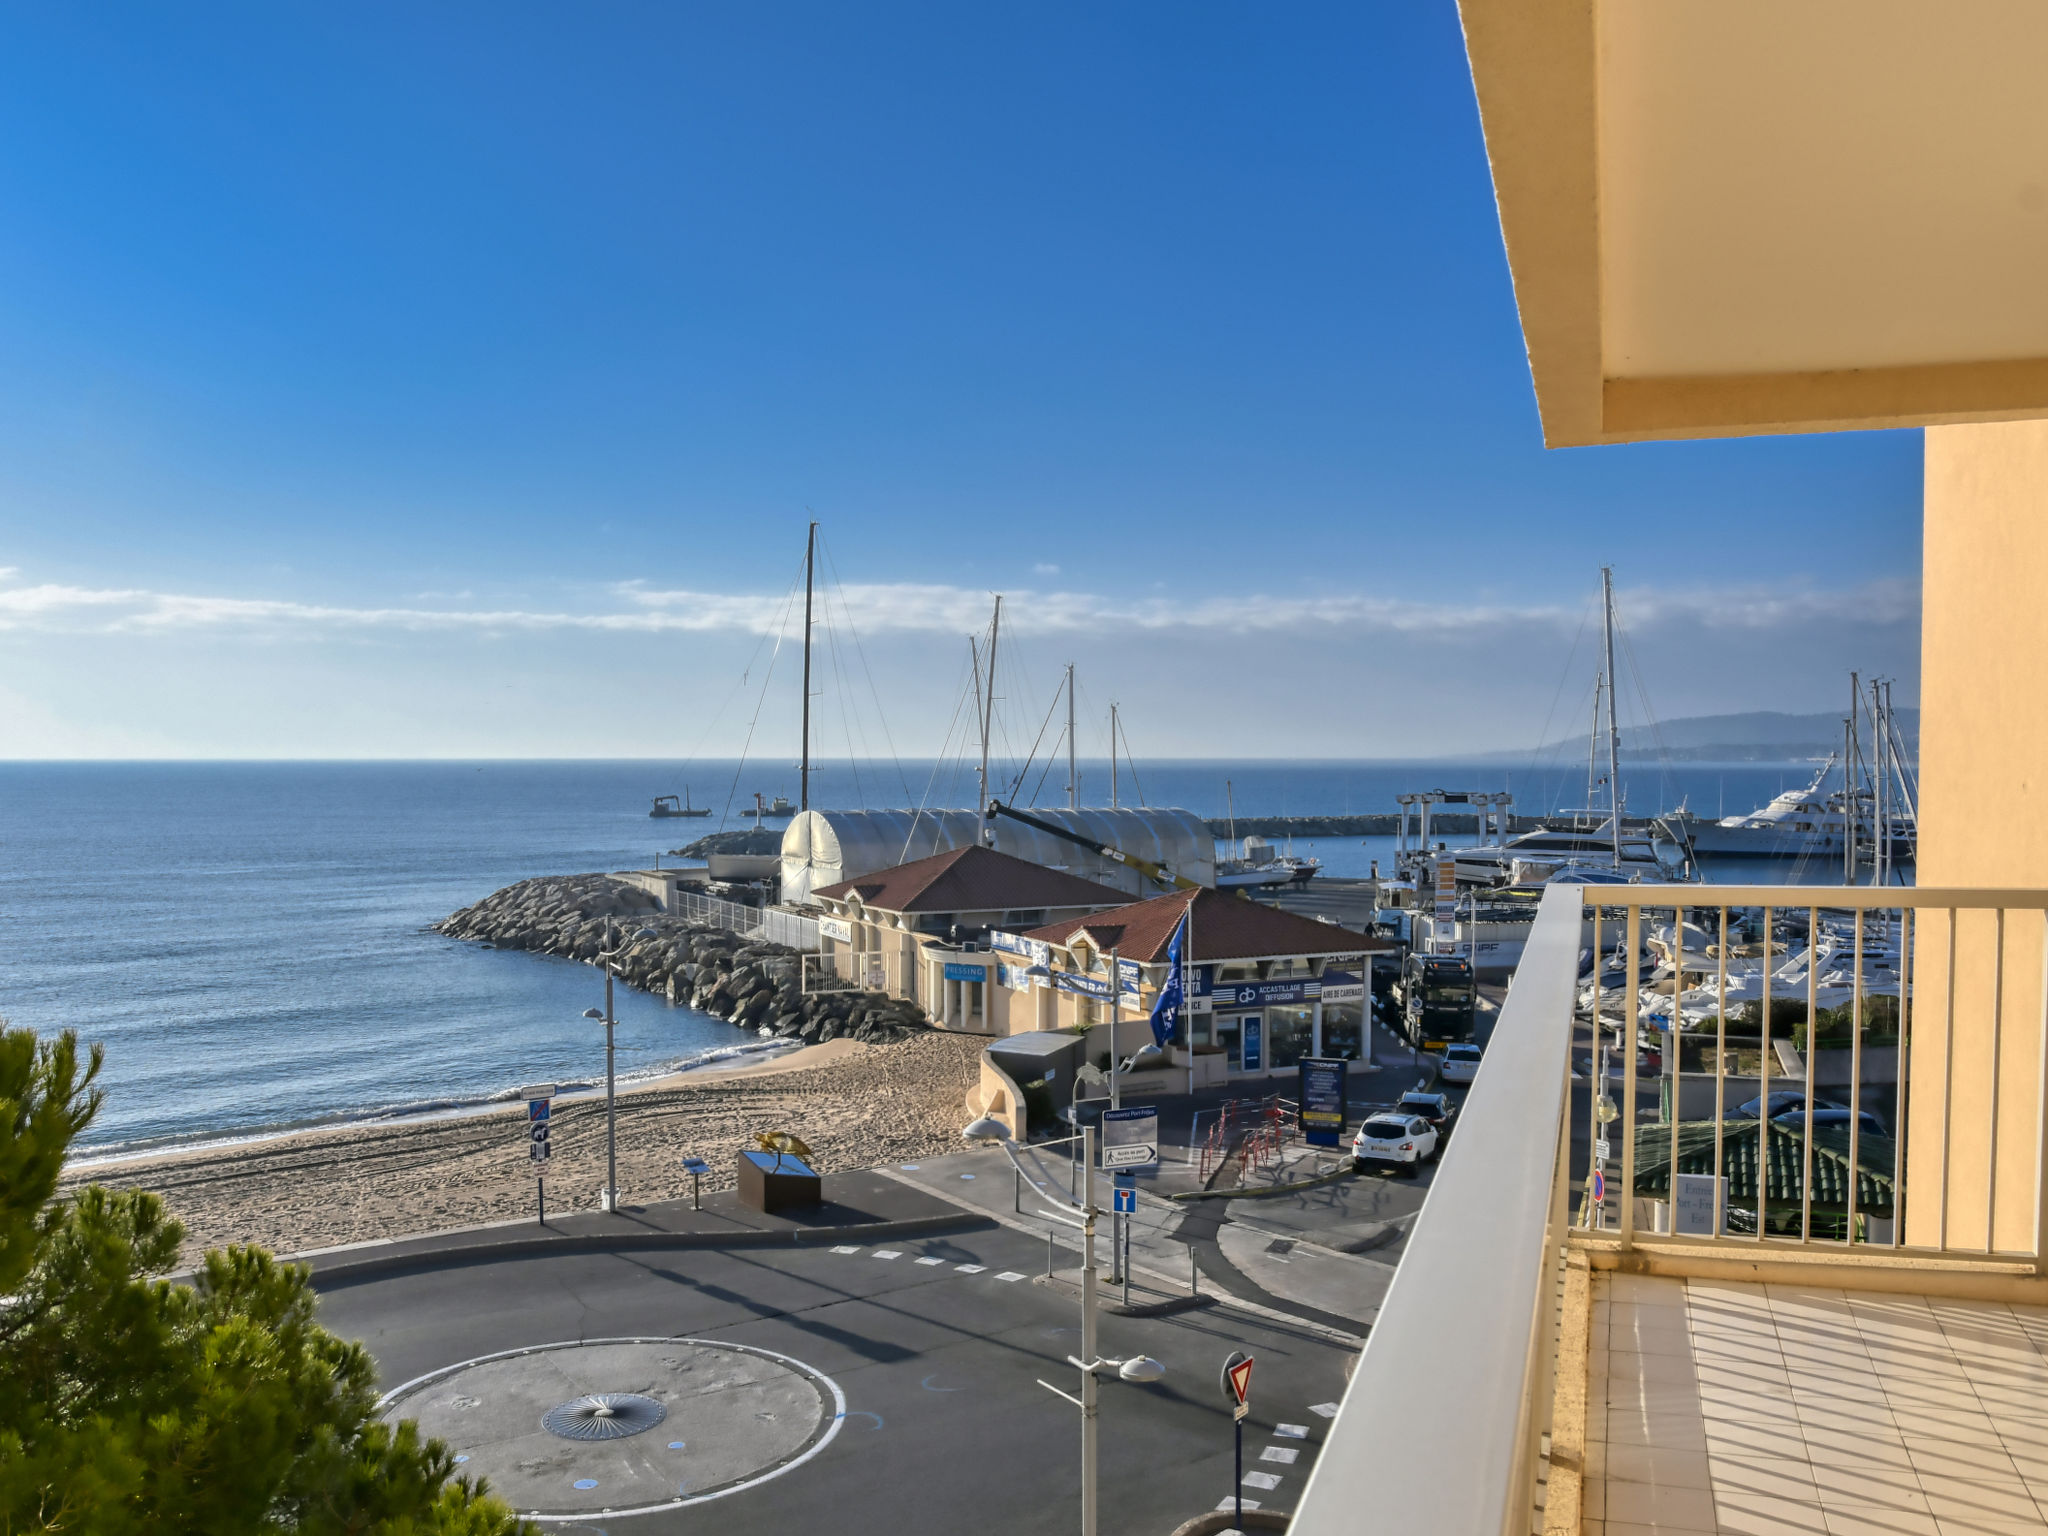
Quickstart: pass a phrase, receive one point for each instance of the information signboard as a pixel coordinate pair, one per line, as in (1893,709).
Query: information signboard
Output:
(1130,1136)
(1252,1055)
(1324,1101)
(1698,1199)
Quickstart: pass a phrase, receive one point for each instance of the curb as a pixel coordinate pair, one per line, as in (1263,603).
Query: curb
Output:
(1271,1189)
(376,1265)
(1163,1308)
(1225,1520)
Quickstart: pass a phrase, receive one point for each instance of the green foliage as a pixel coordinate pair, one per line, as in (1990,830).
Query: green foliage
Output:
(130,1404)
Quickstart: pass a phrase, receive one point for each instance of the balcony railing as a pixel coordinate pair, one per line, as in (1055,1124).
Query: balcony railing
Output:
(1747,1082)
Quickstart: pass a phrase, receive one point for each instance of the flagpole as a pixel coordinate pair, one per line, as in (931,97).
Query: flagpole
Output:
(1187,991)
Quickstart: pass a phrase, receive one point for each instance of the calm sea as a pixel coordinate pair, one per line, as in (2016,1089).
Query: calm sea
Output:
(249,940)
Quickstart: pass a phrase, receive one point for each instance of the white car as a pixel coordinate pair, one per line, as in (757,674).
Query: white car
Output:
(1460,1064)
(1406,1141)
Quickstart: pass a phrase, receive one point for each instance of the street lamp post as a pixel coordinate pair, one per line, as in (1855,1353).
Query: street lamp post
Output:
(608,1198)
(1136,1368)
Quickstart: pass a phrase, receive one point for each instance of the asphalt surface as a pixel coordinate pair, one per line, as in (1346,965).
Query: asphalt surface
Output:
(945,1425)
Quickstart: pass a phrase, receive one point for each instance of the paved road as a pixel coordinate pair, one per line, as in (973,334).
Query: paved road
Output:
(945,1426)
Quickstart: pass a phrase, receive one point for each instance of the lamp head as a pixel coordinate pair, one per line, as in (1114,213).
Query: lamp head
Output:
(1142,1369)
(986,1129)
(593,1013)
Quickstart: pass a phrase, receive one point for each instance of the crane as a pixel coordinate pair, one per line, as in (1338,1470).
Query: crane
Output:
(1150,868)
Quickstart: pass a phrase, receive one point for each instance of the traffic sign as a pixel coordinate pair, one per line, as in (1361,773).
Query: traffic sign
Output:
(538,1151)
(1130,1137)
(1125,1202)
(1601,1150)
(1237,1381)
(537,1109)
(1597,1186)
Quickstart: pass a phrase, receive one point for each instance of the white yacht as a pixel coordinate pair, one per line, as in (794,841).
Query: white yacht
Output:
(1800,823)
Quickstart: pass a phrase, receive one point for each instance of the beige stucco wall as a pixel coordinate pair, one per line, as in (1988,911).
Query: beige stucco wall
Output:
(1983,823)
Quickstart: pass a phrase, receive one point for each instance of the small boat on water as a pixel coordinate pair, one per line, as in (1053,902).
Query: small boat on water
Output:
(1259,867)
(780,806)
(669,805)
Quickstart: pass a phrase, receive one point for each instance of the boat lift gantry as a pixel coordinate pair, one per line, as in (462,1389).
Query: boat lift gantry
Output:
(1494,811)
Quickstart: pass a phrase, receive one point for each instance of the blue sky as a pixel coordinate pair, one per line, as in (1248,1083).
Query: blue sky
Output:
(455,380)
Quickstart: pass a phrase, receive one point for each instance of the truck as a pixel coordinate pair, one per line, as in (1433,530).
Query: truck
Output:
(1437,1000)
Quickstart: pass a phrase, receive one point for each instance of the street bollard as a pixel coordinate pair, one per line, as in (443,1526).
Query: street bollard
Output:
(1048,1253)
(1194,1276)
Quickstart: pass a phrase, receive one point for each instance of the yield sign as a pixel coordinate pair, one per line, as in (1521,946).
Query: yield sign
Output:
(1239,1375)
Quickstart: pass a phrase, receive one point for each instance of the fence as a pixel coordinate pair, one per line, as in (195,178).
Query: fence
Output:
(1770,1060)
(764,923)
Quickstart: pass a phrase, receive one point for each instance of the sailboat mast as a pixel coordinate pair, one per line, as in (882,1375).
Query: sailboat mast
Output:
(1112,757)
(988,706)
(1613,692)
(1073,778)
(803,794)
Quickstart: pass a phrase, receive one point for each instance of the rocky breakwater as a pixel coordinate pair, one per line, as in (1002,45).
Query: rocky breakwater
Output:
(748,982)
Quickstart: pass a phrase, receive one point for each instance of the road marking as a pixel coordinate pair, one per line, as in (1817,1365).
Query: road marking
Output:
(1284,1454)
(1009,1274)
(970,1269)
(1261,1480)
(886,1253)
(929,1260)
(1327,1410)
(584,1482)
(1291,1431)
(862,1413)
(1232,1504)
(927,1385)
(846,1248)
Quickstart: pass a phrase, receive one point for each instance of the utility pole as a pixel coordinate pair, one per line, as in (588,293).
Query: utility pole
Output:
(1613,728)
(1089,1387)
(810,569)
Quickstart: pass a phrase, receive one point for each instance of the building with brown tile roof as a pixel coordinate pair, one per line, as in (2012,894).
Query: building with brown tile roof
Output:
(915,930)
(1266,987)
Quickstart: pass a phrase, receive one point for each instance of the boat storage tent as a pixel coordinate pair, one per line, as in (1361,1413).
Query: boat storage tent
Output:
(821,848)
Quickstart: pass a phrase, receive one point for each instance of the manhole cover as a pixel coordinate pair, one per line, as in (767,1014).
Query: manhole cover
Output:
(603,1416)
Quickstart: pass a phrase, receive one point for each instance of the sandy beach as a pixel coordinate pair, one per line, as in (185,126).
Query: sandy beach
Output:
(855,1105)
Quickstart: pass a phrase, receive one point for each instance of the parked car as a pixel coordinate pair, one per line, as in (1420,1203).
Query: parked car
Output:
(1789,1098)
(1832,1115)
(1436,1108)
(1405,1141)
(1460,1063)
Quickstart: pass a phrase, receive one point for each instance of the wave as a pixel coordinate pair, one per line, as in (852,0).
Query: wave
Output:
(93,1155)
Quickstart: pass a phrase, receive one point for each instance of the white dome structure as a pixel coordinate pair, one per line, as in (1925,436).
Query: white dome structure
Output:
(821,848)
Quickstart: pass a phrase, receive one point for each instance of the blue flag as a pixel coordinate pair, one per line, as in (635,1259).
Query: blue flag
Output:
(1173,996)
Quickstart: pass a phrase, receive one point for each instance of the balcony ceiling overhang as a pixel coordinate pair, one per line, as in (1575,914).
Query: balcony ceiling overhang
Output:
(1726,217)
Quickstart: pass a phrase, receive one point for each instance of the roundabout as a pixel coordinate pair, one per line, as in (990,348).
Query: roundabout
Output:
(624,1426)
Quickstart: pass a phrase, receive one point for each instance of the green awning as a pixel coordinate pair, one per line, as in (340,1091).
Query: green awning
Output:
(1876,1158)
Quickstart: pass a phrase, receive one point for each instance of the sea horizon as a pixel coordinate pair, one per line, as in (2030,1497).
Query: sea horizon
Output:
(251,941)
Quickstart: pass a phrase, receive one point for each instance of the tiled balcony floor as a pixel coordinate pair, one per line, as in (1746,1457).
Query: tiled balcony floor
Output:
(1753,1409)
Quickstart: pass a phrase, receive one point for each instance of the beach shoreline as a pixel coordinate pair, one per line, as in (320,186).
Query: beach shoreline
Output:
(854,1104)
(736,1065)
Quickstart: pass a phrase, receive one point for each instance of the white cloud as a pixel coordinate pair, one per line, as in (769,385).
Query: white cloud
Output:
(1045,569)
(879,608)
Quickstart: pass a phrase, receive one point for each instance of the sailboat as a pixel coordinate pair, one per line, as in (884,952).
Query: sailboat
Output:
(1596,848)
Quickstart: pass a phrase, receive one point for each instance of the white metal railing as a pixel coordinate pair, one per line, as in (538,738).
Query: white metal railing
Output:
(1818,1068)
(776,927)
(1442,1426)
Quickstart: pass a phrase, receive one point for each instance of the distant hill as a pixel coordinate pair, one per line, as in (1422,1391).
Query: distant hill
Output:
(1758,736)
